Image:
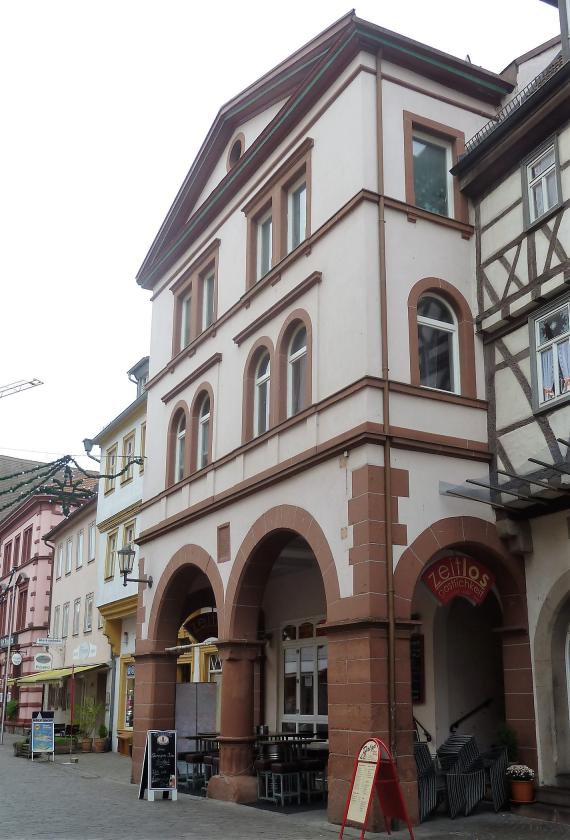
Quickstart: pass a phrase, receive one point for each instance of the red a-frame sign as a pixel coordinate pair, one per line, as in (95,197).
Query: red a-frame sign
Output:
(374,770)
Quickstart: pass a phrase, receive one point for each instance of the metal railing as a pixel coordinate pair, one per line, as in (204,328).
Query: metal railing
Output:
(457,723)
(515,103)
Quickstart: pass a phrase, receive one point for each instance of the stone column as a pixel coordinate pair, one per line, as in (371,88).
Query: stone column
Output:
(155,700)
(236,782)
(358,708)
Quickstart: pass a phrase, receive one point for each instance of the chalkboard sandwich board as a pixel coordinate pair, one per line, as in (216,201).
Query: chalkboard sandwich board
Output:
(158,773)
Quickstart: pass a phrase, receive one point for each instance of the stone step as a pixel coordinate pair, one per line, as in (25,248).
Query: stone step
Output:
(542,811)
(553,795)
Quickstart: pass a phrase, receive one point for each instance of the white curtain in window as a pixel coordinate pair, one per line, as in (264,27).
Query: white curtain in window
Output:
(547,374)
(564,362)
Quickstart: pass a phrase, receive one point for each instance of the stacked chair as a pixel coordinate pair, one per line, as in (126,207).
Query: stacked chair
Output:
(461,775)
(286,773)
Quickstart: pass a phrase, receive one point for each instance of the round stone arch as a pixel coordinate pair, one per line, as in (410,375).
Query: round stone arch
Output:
(553,724)
(480,539)
(245,588)
(476,537)
(184,564)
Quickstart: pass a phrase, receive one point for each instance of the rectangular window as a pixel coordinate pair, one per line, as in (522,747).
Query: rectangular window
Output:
(264,244)
(185,320)
(110,468)
(433,185)
(88,618)
(110,555)
(550,334)
(56,620)
(16,551)
(59,562)
(27,545)
(195,298)
(143,447)
(430,151)
(128,455)
(76,616)
(79,551)
(129,534)
(65,621)
(91,546)
(278,216)
(68,556)
(22,607)
(543,188)
(296,214)
(207,291)
(7,565)
(100,621)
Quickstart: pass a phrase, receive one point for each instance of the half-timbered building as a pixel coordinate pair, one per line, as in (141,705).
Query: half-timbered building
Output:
(516,170)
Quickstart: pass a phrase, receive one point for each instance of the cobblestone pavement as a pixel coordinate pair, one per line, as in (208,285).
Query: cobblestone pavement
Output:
(93,799)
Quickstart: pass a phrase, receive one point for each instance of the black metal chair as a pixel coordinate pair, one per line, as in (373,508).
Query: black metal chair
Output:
(464,772)
(427,779)
(495,762)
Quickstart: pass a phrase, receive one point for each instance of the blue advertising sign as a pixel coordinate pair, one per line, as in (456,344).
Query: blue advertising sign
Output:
(42,737)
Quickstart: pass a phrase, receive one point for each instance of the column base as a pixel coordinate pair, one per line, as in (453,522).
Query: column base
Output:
(241,789)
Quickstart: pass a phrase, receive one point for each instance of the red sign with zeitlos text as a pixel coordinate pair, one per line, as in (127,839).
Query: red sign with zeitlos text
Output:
(459,576)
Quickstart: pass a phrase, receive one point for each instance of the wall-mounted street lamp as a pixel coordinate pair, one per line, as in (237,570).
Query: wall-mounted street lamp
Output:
(126,563)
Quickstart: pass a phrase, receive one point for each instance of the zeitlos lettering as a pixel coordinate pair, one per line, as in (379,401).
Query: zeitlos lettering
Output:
(459,576)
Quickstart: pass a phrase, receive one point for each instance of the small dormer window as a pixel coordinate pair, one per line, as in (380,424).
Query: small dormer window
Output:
(237,147)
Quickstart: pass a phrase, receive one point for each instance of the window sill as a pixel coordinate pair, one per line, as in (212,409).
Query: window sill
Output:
(542,220)
(108,491)
(414,213)
(553,405)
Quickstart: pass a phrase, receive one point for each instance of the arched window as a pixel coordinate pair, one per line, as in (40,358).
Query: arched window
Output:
(203,450)
(180,447)
(261,394)
(297,371)
(437,344)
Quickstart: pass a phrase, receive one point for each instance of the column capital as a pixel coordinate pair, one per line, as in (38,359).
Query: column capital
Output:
(239,649)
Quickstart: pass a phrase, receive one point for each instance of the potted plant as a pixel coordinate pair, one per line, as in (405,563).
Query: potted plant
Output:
(507,737)
(100,744)
(521,778)
(89,711)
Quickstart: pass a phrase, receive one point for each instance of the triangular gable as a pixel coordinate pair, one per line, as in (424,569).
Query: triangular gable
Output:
(301,80)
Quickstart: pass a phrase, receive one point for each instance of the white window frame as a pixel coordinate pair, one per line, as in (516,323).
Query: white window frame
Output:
(88,615)
(56,620)
(260,270)
(180,448)
(291,359)
(315,641)
(541,179)
(68,556)
(186,319)
(65,620)
(204,418)
(444,326)
(128,454)
(111,467)
(110,554)
(261,381)
(435,140)
(59,561)
(208,289)
(79,550)
(91,543)
(539,349)
(294,189)
(76,617)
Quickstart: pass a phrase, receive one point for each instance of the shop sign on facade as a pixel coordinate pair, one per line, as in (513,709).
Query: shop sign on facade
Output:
(459,576)
(43,662)
(85,650)
(6,641)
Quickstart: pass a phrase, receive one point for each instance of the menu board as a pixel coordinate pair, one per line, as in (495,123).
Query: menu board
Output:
(361,792)
(159,765)
(162,760)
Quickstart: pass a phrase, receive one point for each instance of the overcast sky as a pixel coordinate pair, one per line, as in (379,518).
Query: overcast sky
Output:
(104,106)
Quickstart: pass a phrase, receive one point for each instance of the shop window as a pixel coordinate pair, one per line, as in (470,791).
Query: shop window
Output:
(304,679)
(127,694)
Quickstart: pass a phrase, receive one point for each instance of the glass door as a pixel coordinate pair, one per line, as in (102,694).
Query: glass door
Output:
(304,697)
